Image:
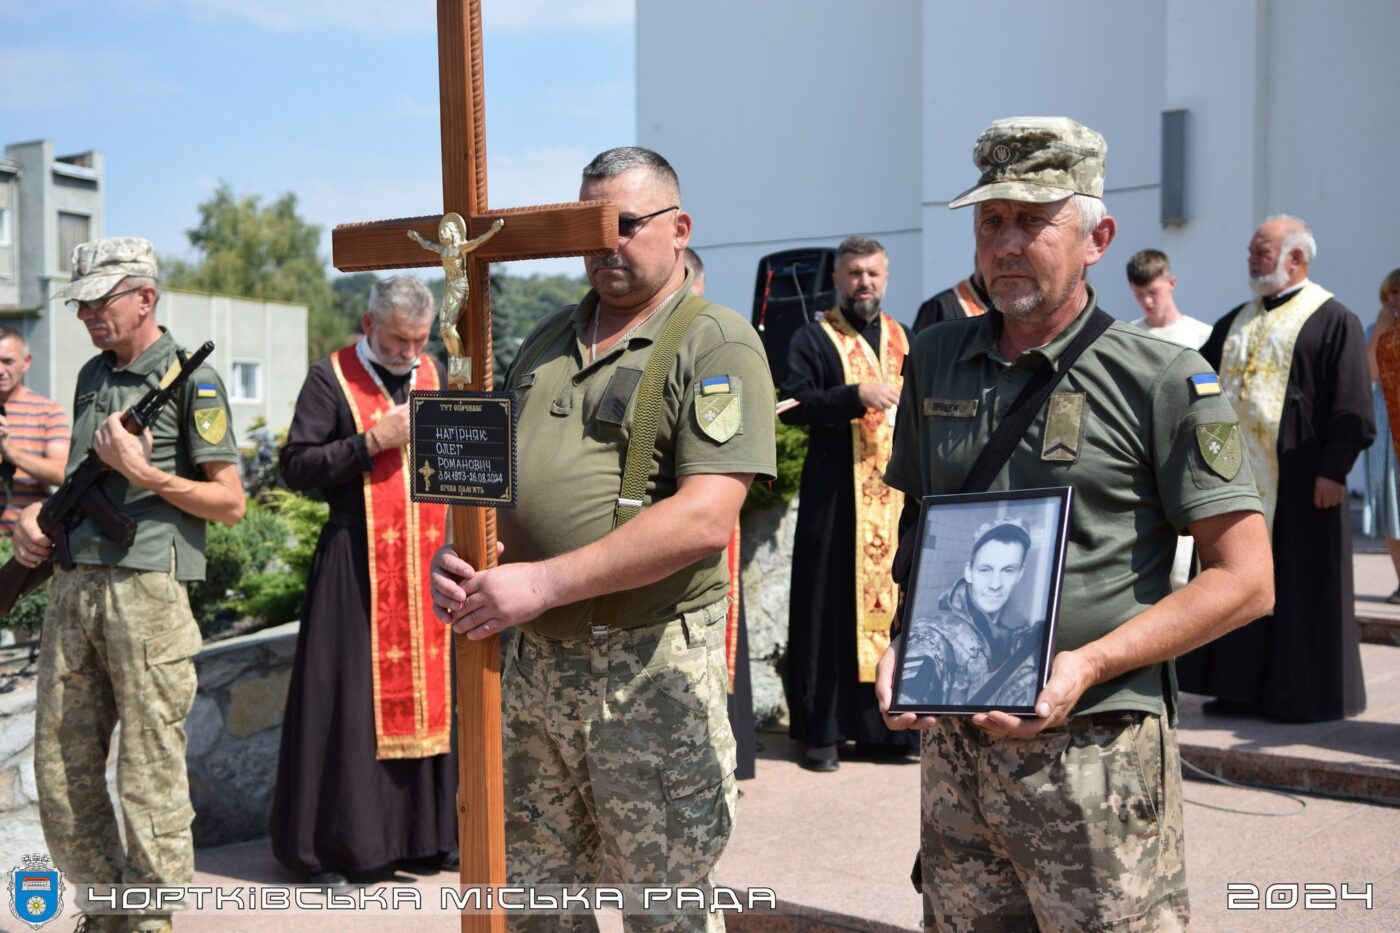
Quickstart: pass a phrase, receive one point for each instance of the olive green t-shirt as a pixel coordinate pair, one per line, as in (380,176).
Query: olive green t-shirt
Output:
(195,427)
(1132,435)
(574,423)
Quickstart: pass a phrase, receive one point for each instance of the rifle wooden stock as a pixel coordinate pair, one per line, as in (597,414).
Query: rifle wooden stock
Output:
(17,579)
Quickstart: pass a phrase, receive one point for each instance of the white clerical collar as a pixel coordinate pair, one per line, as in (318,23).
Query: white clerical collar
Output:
(366,354)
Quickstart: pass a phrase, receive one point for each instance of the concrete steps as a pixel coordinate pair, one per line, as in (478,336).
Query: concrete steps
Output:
(1356,759)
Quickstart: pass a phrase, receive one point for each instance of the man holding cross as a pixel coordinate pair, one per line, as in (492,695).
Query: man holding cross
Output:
(617,743)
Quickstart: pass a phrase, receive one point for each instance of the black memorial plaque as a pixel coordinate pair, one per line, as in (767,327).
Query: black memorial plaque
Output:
(463,447)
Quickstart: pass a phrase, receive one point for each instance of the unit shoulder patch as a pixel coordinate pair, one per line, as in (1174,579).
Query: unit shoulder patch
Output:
(718,410)
(211,423)
(1221,447)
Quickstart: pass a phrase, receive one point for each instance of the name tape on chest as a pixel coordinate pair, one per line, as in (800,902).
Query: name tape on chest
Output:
(950,408)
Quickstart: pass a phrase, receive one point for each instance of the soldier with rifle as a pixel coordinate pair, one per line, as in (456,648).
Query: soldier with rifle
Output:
(118,637)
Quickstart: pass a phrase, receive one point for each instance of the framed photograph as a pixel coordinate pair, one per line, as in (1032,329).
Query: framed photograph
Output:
(984,594)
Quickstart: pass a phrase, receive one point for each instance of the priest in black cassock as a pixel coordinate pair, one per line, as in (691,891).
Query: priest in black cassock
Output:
(366,778)
(845,373)
(1293,362)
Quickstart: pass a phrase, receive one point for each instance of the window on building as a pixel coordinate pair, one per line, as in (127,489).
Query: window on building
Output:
(246,382)
(7,263)
(72,230)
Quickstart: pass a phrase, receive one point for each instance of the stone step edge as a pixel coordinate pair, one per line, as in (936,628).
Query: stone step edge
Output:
(1345,780)
(1378,630)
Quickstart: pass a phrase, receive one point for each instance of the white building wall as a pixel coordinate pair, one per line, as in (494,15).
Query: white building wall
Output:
(271,333)
(795,122)
(977,70)
(779,119)
(1334,134)
(1213,65)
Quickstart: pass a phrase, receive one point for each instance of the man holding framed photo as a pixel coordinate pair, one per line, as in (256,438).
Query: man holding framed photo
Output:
(1138,427)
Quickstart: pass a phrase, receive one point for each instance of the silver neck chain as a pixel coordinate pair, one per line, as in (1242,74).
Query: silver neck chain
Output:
(598,316)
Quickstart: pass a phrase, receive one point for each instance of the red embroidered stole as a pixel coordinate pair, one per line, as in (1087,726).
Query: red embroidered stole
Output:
(967,297)
(731,624)
(877,505)
(410,650)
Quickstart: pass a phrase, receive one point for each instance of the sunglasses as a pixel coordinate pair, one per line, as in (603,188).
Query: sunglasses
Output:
(628,226)
(98,304)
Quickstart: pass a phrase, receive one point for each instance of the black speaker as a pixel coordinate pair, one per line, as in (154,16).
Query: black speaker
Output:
(793,288)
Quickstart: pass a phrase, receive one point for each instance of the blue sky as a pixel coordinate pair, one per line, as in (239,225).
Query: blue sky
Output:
(332,100)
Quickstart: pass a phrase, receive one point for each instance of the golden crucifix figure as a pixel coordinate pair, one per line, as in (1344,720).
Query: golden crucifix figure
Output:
(454,249)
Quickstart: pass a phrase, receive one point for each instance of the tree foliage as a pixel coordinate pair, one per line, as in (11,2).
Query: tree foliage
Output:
(349,299)
(518,303)
(252,250)
(255,251)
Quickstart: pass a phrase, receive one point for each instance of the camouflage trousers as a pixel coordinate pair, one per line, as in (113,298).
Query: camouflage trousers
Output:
(1079,828)
(117,646)
(618,751)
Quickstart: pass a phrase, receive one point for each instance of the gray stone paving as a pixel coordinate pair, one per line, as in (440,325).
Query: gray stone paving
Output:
(837,847)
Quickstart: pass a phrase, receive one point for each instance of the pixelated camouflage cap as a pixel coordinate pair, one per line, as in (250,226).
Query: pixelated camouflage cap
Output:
(1036,159)
(100,264)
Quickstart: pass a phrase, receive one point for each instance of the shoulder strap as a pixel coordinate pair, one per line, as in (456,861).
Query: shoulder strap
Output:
(646,416)
(999,447)
(641,443)
(1023,411)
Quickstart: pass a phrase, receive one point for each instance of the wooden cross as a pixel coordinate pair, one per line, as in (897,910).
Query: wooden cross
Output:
(579,229)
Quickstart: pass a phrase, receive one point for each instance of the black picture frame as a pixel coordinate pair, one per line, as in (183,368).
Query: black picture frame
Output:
(973,639)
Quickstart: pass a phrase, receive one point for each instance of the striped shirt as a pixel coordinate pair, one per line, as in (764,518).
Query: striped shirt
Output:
(33,422)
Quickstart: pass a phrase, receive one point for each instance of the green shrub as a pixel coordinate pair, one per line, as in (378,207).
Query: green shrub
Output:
(232,554)
(792,450)
(304,518)
(226,557)
(275,592)
(27,616)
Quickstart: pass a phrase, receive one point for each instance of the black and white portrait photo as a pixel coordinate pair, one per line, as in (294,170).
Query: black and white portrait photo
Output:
(979,619)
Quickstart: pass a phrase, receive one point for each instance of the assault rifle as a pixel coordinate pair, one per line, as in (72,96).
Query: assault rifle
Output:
(81,495)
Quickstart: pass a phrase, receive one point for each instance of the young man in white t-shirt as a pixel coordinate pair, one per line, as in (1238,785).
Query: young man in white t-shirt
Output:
(1150,277)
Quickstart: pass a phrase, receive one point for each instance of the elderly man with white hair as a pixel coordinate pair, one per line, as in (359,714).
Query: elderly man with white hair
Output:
(366,778)
(1293,362)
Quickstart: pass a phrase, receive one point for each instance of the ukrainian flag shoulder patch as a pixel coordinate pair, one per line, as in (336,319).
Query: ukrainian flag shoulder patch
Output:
(715,385)
(1204,384)
(206,390)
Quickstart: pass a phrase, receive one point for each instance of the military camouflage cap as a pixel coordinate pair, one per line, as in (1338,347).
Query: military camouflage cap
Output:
(99,265)
(1036,159)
